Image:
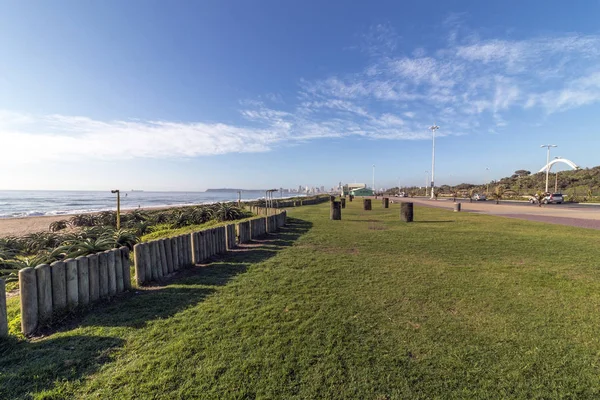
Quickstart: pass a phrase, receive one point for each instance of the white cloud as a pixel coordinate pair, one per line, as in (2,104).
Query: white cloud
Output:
(462,85)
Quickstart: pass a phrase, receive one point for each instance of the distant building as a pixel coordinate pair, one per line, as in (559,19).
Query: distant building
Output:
(362,192)
(346,189)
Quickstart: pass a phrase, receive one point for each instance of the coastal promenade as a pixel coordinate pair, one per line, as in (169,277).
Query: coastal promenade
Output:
(583,216)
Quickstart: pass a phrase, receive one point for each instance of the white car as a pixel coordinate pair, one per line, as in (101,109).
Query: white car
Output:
(479,197)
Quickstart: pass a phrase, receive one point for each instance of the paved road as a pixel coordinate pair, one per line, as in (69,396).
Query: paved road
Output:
(565,214)
(522,203)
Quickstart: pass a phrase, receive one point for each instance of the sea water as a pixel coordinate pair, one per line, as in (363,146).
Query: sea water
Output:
(29,203)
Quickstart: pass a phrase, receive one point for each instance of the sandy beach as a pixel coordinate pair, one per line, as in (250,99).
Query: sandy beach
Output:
(23,226)
(26,225)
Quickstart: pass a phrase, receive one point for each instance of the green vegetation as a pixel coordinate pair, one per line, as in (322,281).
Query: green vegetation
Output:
(454,305)
(92,233)
(582,185)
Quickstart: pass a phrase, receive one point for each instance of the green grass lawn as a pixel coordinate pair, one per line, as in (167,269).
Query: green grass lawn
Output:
(454,305)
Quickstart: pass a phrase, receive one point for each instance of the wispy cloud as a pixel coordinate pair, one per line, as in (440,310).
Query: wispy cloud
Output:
(463,85)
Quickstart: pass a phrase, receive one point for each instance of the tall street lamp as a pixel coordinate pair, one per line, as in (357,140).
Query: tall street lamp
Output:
(548,146)
(487,178)
(433,128)
(118,207)
(373,178)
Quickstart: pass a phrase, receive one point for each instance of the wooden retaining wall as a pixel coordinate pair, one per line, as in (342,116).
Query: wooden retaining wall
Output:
(47,291)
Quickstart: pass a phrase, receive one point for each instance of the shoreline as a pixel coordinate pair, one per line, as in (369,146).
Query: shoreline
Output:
(20,226)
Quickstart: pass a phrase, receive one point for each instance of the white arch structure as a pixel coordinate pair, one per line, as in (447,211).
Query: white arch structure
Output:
(559,160)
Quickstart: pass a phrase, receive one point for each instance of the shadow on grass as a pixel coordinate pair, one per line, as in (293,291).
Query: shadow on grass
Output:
(30,367)
(190,286)
(431,222)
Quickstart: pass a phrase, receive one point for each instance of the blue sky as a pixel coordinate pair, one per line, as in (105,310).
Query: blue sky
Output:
(190,95)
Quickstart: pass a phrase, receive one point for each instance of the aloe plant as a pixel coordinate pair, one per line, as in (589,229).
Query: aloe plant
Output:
(59,225)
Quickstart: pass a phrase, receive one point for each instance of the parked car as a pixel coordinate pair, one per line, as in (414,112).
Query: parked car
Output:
(555,198)
(479,197)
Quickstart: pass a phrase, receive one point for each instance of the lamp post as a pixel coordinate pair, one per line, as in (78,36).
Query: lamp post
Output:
(373,178)
(548,146)
(118,207)
(426,181)
(487,178)
(433,128)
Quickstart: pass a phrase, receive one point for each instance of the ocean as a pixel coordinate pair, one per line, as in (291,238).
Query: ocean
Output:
(30,203)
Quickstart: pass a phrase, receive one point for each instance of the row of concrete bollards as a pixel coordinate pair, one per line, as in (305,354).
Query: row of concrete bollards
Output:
(335,213)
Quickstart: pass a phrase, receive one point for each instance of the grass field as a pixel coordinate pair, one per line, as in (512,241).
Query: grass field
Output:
(454,305)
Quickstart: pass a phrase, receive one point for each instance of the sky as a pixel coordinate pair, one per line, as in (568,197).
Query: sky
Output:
(157,95)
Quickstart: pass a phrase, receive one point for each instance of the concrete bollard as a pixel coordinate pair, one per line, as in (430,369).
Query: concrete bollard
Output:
(72,284)
(103,275)
(366,204)
(343,201)
(456,207)
(119,270)
(147,254)
(126,267)
(58,271)
(29,300)
(169,253)
(335,213)
(94,277)
(3,313)
(385,202)
(83,280)
(140,267)
(163,257)
(112,273)
(406,212)
(44,292)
